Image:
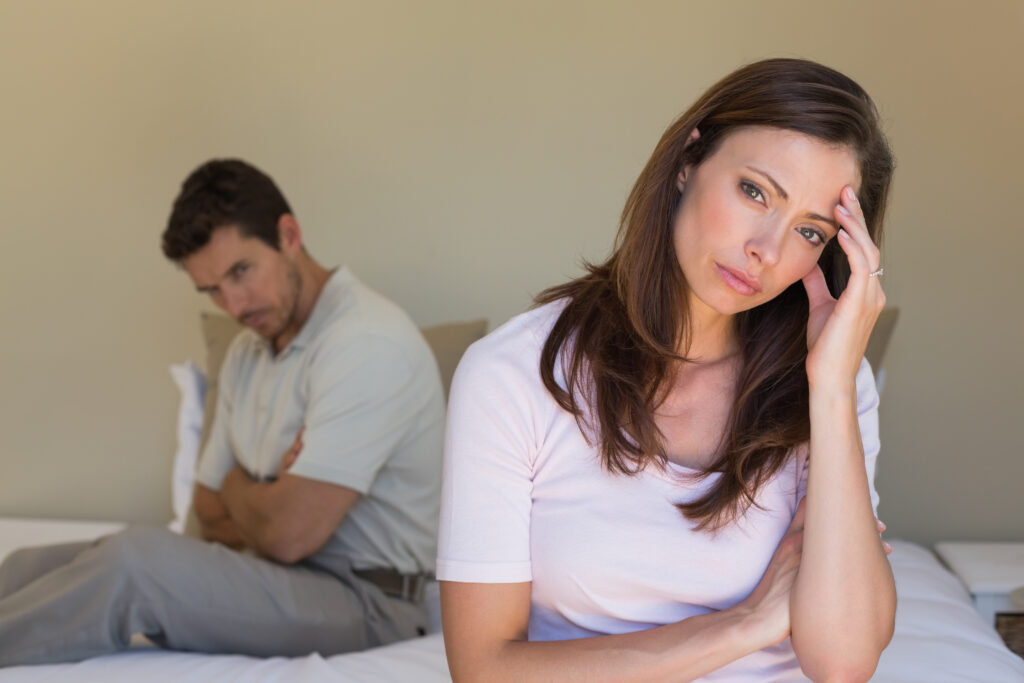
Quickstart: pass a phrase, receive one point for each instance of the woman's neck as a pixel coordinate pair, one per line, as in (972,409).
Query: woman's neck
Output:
(712,335)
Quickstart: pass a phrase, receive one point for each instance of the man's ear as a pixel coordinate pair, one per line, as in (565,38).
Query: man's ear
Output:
(681,178)
(289,234)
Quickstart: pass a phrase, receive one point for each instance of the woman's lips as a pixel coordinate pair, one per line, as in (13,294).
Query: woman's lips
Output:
(738,280)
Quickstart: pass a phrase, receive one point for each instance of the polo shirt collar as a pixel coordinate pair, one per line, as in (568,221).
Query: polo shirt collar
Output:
(334,292)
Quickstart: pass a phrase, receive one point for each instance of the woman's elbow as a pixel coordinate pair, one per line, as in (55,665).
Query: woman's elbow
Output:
(473,667)
(845,646)
(841,673)
(844,662)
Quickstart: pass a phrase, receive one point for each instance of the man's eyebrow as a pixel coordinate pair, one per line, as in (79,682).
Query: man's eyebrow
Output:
(782,193)
(206,289)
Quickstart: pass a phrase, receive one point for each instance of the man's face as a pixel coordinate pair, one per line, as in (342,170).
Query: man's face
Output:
(253,283)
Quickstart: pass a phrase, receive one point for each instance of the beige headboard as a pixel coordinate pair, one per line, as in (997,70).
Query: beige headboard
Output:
(448,342)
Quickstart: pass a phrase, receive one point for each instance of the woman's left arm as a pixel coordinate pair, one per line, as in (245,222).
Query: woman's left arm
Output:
(843,601)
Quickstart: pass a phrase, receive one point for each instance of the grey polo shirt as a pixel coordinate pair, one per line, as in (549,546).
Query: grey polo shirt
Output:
(361,379)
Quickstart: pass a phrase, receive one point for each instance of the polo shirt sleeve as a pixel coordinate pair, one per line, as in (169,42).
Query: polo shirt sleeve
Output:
(218,457)
(364,394)
(867,417)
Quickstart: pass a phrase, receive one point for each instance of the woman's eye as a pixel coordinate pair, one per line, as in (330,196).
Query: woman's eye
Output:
(812,236)
(239,270)
(752,190)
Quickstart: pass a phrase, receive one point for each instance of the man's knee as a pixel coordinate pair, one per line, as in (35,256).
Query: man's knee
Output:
(136,549)
(25,565)
(19,558)
(17,569)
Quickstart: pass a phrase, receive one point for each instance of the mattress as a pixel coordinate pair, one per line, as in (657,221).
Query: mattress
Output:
(939,637)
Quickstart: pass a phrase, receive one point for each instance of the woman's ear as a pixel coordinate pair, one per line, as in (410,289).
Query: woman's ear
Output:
(681,178)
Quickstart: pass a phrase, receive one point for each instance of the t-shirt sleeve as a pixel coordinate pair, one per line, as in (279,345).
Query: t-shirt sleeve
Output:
(867,417)
(218,457)
(486,495)
(364,393)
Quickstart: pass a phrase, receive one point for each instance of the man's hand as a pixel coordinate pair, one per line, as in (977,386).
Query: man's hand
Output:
(215,524)
(288,459)
(289,518)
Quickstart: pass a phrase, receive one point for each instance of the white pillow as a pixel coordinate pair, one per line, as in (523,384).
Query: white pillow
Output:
(192,384)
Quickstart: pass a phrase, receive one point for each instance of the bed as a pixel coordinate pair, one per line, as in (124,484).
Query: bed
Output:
(939,636)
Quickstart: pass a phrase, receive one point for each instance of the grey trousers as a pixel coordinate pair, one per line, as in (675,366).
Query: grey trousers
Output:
(70,602)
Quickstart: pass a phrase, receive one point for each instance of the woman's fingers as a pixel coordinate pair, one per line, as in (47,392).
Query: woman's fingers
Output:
(771,597)
(881,529)
(799,515)
(787,553)
(859,265)
(792,543)
(851,216)
(861,252)
(817,288)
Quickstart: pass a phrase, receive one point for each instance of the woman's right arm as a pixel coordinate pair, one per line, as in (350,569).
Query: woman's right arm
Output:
(485,633)
(485,637)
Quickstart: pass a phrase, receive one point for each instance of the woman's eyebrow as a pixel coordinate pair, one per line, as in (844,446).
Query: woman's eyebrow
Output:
(778,188)
(782,193)
(819,217)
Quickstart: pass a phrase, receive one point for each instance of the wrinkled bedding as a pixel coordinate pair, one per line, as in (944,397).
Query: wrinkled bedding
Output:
(939,637)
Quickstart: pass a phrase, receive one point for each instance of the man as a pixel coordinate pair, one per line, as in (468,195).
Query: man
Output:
(318,487)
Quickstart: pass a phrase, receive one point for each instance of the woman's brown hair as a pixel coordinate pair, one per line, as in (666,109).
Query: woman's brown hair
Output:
(624,322)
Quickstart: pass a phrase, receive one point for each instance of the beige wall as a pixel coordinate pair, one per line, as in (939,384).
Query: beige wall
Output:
(461,156)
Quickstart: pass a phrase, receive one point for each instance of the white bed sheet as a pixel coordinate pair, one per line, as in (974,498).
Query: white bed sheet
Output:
(940,638)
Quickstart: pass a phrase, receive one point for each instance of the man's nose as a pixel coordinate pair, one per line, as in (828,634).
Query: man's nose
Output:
(234,301)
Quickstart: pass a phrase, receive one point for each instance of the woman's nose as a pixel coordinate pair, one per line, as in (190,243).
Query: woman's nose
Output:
(766,245)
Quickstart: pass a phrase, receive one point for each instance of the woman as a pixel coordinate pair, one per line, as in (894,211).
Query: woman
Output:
(628,489)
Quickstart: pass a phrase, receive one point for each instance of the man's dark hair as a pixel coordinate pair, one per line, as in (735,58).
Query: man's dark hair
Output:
(223,192)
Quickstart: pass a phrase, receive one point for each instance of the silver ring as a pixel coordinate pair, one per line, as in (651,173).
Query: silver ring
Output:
(877,272)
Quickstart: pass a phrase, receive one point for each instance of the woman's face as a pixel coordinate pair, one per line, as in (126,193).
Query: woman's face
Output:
(756,214)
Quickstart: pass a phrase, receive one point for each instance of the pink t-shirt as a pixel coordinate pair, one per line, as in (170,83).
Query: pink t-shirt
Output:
(525,498)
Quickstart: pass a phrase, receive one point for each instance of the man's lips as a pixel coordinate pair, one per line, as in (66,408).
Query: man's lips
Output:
(738,280)
(252,319)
